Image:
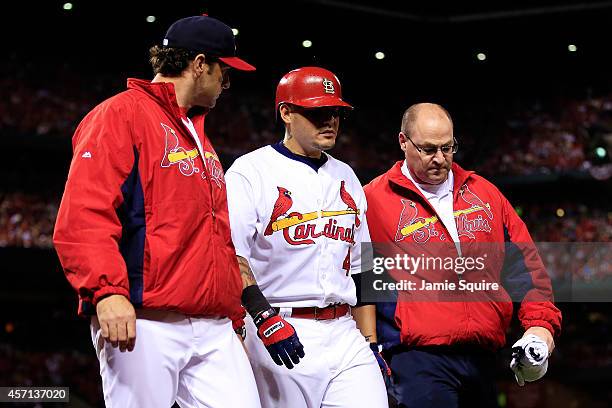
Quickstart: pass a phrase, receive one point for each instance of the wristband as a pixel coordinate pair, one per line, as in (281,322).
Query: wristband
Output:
(254,301)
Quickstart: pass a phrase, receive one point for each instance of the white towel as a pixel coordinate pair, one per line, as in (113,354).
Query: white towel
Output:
(529,359)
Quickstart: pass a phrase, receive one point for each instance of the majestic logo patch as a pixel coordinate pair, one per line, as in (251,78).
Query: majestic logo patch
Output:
(329,86)
(305,232)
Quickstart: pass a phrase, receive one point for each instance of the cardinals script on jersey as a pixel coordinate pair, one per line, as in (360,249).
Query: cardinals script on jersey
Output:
(299,227)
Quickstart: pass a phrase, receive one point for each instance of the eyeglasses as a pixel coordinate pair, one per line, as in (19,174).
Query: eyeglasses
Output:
(432,150)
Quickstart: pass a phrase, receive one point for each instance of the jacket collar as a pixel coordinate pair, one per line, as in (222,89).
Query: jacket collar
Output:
(162,92)
(164,95)
(398,178)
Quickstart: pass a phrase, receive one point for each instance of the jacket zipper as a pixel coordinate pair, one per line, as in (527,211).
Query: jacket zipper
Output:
(200,146)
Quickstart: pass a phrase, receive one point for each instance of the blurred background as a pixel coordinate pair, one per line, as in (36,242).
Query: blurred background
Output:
(527,82)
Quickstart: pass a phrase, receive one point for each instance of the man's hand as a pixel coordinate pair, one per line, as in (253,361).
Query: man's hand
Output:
(275,332)
(117,319)
(529,359)
(279,337)
(544,334)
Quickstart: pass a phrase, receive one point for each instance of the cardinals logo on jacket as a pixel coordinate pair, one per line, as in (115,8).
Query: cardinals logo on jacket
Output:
(467,226)
(422,229)
(175,155)
(297,227)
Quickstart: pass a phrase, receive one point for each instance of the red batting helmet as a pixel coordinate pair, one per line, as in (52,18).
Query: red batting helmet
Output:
(310,87)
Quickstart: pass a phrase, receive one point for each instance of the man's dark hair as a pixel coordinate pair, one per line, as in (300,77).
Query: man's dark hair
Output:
(171,62)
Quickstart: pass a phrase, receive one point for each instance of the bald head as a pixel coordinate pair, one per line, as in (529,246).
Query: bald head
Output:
(426,129)
(427,114)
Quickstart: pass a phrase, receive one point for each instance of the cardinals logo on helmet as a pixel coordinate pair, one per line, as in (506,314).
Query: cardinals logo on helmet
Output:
(329,86)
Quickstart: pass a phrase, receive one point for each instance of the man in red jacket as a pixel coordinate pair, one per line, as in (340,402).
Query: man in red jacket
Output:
(462,255)
(143,232)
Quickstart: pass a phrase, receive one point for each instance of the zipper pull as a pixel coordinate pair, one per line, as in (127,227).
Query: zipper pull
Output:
(214,217)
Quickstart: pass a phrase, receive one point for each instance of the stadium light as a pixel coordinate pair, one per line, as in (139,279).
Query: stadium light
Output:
(306,43)
(151,19)
(67,6)
(600,152)
(235,31)
(481,56)
(379,55)
(572,48)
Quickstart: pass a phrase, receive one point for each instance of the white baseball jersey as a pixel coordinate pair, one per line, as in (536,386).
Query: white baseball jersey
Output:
(300,228)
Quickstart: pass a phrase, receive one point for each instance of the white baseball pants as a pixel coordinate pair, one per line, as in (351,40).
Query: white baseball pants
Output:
(338,371)
(196,362)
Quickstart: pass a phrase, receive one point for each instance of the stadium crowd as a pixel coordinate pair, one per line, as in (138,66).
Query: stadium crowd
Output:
(542,138)
(549,141)
(52,368)
(27,219)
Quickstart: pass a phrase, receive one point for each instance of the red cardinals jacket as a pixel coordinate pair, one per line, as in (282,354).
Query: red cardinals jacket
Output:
(144,213)
(402,220)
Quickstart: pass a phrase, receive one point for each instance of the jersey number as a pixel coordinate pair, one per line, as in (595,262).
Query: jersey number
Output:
(346,265)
